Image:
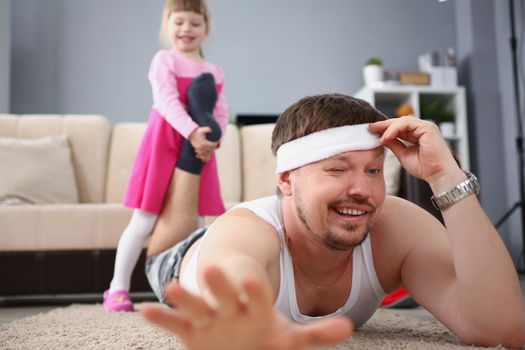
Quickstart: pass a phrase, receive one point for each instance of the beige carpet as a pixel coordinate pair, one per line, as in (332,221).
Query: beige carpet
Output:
(90,327)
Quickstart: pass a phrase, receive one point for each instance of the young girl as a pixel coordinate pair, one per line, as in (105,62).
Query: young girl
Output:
(166,179)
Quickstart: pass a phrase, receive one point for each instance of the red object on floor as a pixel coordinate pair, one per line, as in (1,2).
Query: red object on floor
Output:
(399,299)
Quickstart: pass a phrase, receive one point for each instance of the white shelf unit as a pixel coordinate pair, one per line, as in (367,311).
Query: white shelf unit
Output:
(388,98)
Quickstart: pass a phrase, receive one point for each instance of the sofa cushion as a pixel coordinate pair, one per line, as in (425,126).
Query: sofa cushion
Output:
(62,227)
(37,171)
(229,166)
(125,142)
(258,162)
(88,137)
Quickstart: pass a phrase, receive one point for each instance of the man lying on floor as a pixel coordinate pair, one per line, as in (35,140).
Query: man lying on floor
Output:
(304,267)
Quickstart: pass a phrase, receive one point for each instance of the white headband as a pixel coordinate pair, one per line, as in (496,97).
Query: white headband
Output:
(324,144)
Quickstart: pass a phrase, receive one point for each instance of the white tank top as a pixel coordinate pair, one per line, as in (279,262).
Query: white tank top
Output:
(365,295)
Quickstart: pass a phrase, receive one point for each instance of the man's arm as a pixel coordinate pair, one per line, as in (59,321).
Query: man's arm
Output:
(241,244)
(236,310)
(463,274)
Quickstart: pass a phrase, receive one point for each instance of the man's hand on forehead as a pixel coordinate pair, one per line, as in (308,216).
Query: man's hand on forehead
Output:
(418,145)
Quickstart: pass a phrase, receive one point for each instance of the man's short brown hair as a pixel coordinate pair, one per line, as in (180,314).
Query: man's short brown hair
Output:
(320,112)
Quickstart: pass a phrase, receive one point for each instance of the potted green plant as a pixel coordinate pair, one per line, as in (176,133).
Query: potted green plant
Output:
(437,109)
(373,71)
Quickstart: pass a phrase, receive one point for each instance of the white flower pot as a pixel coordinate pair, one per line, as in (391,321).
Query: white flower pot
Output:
(373,75)
(448,129)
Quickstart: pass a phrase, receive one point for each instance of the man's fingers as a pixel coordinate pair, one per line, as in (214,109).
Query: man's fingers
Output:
(381,126)
(189,305)
(388,129)
(397,147)
(405,128)
(402,129)
(167,319)
(323,333)
(223,290)
(260,300)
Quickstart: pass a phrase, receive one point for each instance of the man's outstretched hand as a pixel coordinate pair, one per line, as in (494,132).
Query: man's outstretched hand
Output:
(242,320)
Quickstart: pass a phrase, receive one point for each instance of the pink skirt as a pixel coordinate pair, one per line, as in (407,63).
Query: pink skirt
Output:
(153,169)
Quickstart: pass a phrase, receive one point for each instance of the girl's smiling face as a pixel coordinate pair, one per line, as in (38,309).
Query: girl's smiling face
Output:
(186,31)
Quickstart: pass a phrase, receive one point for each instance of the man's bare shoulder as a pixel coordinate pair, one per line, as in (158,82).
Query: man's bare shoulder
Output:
(245,213)
(242,230)
(242,218)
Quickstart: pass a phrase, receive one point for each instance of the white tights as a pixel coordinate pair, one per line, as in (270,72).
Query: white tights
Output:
(130,246)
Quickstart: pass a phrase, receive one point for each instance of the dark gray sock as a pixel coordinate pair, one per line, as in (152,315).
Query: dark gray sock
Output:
(202,97)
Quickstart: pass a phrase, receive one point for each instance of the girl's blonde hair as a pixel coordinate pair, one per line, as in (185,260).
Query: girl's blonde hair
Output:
(197,6)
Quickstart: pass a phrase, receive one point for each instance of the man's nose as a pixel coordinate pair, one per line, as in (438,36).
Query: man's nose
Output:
(359,186)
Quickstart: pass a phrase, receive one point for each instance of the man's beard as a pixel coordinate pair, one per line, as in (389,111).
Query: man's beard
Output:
(330,239)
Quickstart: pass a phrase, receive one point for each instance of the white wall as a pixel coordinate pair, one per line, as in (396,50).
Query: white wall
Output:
(5,54)
(273,51)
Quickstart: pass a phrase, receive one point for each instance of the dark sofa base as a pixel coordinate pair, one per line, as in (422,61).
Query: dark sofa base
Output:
(55,273)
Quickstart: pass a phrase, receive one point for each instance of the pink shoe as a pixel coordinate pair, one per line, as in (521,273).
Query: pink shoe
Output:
(117,301)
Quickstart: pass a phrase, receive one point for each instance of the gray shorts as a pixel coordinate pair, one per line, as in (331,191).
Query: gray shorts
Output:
(164,267)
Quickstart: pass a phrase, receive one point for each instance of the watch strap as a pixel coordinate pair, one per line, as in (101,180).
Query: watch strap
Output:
(455,194)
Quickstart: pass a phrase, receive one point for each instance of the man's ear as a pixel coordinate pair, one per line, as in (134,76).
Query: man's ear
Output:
(283,181)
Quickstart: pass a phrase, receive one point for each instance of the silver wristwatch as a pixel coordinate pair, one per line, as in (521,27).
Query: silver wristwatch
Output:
(457,193)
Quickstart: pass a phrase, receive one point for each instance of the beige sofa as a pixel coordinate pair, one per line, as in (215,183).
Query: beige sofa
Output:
(69,248)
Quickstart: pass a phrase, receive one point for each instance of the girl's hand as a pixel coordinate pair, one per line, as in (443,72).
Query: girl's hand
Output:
(239,320)
(203,147)
(204,156)
(425,154)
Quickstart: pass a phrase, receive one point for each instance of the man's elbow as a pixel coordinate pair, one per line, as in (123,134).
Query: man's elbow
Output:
(513,341)
(516,333)
(510,337)
(516,337)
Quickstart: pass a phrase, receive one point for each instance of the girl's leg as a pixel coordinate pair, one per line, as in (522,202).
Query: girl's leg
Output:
(128,251)
(129,247)
(179,216)
(202,96)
